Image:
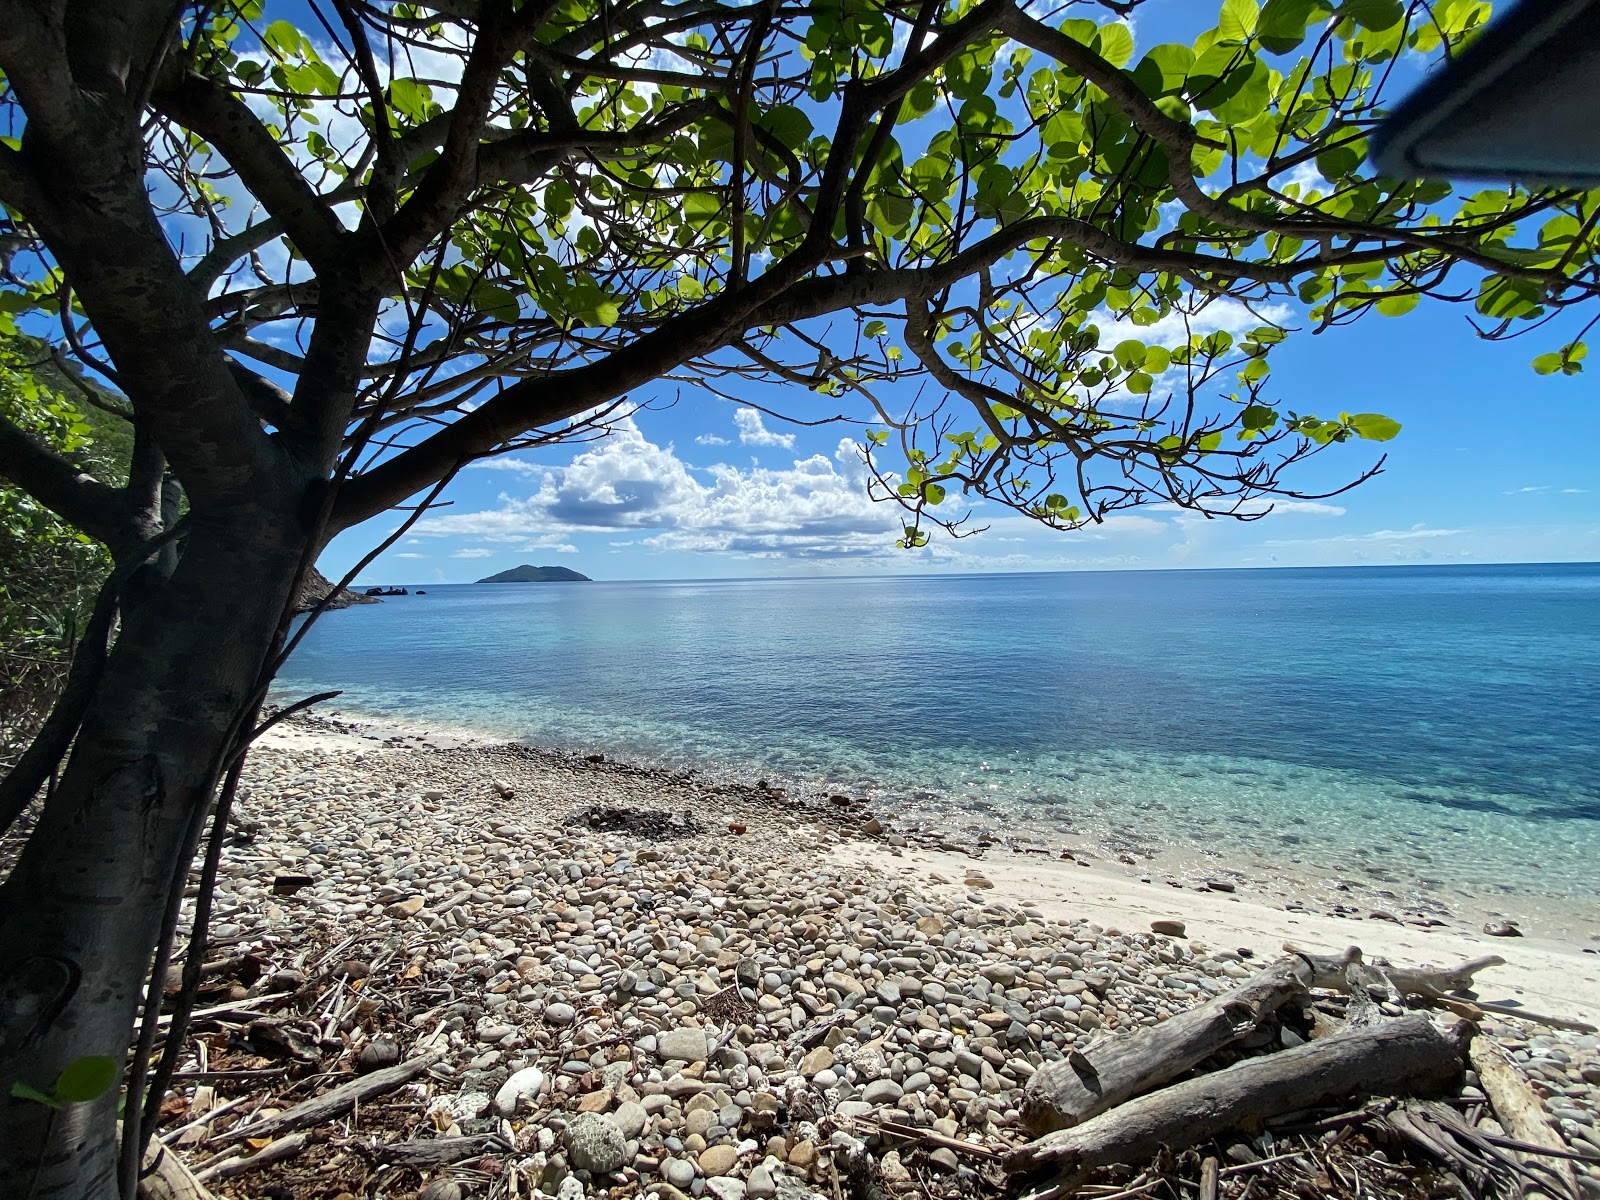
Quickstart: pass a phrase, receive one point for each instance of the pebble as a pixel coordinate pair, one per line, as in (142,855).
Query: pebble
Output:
(689,1045)
(718,1160)
(525,1082)
(595,1144)
(565,966)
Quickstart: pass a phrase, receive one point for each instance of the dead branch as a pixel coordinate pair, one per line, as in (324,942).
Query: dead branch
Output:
(1063,1093)
(1406,1056)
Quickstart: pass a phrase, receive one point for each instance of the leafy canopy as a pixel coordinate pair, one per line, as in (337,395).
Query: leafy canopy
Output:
(992,231)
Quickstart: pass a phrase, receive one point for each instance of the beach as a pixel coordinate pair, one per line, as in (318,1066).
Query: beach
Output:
(616,968)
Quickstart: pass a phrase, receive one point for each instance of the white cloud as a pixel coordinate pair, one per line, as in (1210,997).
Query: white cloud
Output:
(505,463)
(1224,313)
(409,554)
(817,508)
(753,433)
(1415,533)
(474,552)
(711,439)
(1574,491)
(1261,504)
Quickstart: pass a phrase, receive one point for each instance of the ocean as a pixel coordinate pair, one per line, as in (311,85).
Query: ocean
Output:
(1437,726)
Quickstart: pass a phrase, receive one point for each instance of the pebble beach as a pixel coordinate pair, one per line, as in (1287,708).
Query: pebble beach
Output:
(631,981)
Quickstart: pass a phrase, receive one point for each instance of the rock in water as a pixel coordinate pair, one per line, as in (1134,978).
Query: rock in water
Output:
(595,1144)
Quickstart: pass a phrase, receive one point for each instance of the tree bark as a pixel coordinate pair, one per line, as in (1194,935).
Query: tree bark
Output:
(81,910)
(1062,1093)
(1406,1056)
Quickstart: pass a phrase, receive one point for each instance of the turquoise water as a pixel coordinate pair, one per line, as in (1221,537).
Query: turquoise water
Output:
(1430,724)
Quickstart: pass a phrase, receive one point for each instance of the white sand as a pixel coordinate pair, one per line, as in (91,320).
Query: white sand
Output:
(1541,975)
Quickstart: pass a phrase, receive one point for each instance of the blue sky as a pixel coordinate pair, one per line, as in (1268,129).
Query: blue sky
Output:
(1494,464)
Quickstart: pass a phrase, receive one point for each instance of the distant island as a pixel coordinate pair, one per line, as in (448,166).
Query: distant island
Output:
(527,574)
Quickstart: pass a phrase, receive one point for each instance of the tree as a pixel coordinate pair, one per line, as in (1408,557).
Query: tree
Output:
(330,266)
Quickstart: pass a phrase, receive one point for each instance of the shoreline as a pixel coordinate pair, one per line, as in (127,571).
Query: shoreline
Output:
(1151,856)
(1553,966)
(602,980)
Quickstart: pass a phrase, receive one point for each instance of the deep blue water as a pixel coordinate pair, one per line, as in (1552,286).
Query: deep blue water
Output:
(1449,715)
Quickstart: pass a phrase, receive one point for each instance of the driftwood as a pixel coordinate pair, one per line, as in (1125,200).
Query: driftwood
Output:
(1070,1090)
(437,1152)
(1409,1055)
(275,1151)
(1434,983)
(333,1104)
(1329,971)
(163,1176)
(1522,1115)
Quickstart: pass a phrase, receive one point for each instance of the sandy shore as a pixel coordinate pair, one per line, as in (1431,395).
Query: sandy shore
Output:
(1554,967)
(625,981)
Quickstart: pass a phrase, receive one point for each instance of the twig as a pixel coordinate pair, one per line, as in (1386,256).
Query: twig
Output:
(284,1147)
(337,1102)
(912,1133)
(1209,1176)
(207,1117)
(1229,1172)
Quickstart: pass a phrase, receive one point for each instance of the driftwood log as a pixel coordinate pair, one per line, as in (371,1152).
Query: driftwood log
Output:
(1070,1090)
(1522,1115)
(1331,971)
(1439,984)
(1409,1055)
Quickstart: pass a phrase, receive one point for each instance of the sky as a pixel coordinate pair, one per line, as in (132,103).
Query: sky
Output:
(1493,464)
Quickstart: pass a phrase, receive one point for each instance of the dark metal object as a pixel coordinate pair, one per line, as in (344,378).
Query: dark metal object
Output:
(1520,103)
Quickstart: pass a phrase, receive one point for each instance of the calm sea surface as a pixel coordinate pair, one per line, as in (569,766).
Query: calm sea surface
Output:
(1443,722)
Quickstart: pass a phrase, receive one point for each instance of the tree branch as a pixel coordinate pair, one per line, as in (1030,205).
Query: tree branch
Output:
(272,178)
(64,488)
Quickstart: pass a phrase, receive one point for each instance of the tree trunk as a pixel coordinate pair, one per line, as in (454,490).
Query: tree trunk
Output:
(81,911)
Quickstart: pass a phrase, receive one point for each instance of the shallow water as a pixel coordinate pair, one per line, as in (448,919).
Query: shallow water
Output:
(1432,725)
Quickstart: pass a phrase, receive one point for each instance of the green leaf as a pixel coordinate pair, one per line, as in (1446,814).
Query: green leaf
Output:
(876,329)
(1548,364)
(1509,299)
(1283,23)
(23,1091)
(1373,427)
(1373,14)
(788,124)
(1165,68)
(1243,94)
(86,1079)
(1399,304)
(1114,41)
(1238,20)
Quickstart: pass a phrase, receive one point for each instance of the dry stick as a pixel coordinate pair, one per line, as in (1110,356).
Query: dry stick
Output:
(164,1176)
(280,1149)
(1209,1175)
(335,1103)
(206,1118)
(1520,1111)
